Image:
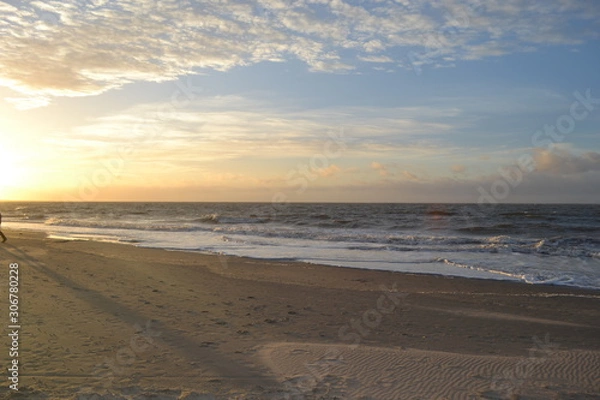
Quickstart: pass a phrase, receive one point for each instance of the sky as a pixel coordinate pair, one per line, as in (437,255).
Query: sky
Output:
(292,101)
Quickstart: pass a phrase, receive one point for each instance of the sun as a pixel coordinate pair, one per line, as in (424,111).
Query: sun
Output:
(13,174)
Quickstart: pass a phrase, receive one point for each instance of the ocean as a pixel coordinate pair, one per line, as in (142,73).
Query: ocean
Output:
(534,243)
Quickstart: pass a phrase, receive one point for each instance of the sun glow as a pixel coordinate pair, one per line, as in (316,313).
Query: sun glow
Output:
(13,177)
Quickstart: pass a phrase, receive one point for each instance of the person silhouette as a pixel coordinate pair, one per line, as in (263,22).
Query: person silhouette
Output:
(1,233)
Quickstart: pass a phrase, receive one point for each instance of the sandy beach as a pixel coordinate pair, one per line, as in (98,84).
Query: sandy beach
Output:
(111,321)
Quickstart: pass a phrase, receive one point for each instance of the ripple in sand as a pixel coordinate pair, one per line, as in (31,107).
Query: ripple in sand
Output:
(383,373)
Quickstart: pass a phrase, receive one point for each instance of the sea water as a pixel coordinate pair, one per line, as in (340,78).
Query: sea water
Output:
(534,243)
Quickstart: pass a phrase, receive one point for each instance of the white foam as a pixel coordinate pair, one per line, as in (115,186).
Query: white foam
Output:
(498,258)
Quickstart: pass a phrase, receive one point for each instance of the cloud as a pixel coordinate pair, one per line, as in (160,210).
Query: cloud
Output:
(222,127)
(376,59)
(380,168)
(458,168)
(27,103)
(536,189)
(560,161)
(410,176)
(162,141)
(76,48)
(330,171)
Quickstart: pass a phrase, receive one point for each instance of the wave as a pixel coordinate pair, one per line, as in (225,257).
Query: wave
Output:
(526,214)
(352,238)
(565,247)
(536,278)
(208,218)
(146,226)
(477,268)
(487,229)
(35,217)
(545,244)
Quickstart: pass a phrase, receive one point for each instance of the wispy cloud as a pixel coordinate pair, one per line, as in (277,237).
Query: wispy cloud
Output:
(231,126)
(458,168)
(78,48)
(410,176)
(247,137)
(560,161)
(27,103)
(376,59)
(380,168)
